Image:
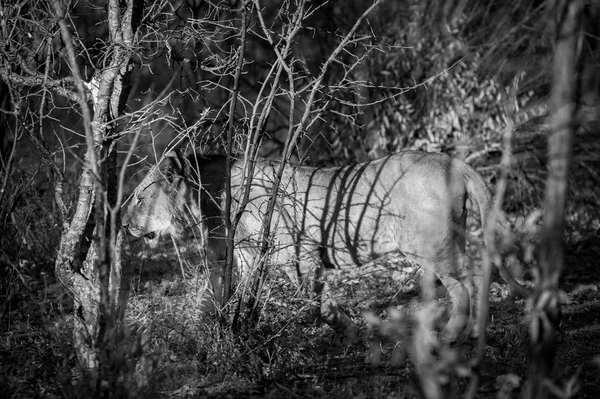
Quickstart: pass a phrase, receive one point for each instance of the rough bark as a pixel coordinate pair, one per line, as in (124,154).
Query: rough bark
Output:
(94,284)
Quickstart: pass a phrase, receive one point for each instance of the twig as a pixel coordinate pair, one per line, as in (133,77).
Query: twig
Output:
(59,86)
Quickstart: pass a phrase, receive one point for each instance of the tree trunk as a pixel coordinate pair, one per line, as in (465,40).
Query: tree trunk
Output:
(94,284)
(546,314)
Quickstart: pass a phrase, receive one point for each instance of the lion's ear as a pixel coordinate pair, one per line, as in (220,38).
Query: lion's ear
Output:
(171,166)
(175,165)
(183,161)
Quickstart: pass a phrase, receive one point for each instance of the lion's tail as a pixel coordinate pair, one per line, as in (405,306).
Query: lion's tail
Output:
(478,190)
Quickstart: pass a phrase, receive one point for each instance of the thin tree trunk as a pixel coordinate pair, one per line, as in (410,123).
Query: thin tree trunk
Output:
(546,314)
(229,226)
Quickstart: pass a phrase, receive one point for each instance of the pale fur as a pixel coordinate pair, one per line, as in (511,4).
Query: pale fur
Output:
(414,203)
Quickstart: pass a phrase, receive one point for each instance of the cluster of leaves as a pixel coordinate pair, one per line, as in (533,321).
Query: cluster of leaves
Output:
(444,77)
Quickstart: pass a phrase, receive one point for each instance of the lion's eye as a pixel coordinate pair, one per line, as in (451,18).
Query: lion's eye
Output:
(140,200)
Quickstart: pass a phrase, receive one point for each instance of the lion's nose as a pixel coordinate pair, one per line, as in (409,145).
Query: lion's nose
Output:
(125,221)
(151,235)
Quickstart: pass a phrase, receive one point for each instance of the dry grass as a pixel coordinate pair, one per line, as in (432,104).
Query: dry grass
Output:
(176,347)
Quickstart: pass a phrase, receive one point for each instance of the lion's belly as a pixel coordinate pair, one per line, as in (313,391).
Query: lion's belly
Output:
(340,252)
(340,244)
(339,238)
(358,251)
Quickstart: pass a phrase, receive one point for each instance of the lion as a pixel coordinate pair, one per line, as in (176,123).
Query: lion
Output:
(413,203)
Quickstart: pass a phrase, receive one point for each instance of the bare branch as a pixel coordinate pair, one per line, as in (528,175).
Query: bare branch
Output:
(59,86)
(87,118)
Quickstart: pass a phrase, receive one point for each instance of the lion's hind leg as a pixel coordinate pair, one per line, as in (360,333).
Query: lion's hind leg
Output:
(329,309)
(457,328)
(464,288)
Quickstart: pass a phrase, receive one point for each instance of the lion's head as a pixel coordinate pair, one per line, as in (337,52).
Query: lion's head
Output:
(163,202)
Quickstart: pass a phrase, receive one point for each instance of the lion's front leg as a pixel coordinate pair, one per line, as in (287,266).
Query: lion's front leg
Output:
(333,315)
(216,282)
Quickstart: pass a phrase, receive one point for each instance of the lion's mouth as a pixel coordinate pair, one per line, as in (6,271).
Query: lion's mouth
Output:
(151,237)
(136,231)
